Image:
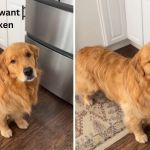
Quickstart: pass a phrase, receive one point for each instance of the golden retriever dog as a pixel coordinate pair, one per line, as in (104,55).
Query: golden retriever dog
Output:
(19,80)
(123,80)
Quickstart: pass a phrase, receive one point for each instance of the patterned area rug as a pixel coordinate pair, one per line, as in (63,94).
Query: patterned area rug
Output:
(98,125)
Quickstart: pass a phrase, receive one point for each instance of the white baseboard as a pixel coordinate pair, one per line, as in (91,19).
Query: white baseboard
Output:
(135,45)
(123,44)
(119,45)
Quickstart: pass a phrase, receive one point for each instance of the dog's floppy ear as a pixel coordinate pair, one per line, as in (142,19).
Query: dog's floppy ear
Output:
(136,62)
(35,50)
(3,65)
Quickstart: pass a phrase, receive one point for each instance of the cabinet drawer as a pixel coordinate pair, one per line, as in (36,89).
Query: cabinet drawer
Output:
(57,72)
(50,24)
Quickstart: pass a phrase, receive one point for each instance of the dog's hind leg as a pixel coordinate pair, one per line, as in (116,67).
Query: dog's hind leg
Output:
(87,100)
(21,122)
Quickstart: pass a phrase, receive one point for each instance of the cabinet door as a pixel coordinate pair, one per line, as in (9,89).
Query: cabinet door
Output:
(134,21)
(112,18)
(3,31)
(146,21)
(87,24)
(17,33)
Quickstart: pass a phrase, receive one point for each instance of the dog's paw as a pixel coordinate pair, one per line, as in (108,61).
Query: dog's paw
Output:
(22,124)
(88,103)
(141,138)
(6,133)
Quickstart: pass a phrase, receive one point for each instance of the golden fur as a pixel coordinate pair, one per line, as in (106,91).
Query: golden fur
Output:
(17,95)
(123,80)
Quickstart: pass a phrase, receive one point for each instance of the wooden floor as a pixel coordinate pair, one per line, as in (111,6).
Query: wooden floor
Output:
(128,142)
(128,51)
(51,127)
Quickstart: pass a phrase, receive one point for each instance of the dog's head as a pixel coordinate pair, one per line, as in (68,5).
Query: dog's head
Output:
(141,61)
(20,60)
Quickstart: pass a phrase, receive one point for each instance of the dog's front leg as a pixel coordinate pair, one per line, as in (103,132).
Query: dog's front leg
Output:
(5,130)
(135,126)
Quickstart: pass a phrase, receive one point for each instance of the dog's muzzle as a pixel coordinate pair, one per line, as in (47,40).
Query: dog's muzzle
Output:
(29,74)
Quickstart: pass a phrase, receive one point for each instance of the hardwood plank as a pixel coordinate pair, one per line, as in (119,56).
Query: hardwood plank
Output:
(128,143)
(127,51)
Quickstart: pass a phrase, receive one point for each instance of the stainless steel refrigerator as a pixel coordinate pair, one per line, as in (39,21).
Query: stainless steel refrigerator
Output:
(49,25)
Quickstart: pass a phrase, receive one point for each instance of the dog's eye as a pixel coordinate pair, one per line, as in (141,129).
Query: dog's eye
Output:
(13,61)
(28,54)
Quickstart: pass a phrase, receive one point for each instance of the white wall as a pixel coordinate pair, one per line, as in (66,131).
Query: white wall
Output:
(3,31)
(87,31)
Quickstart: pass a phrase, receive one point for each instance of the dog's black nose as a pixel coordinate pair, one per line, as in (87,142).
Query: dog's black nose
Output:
(28,71)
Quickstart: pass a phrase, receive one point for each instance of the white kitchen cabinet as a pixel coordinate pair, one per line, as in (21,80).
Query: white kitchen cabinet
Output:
(100,22)
(134,21)
(87,25)
(16,34)
(113,20)
(146,20)
(3,32)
